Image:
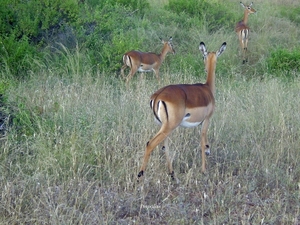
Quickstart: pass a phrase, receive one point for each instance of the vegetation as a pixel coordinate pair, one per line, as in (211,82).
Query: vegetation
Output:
(72,134)
(282,60)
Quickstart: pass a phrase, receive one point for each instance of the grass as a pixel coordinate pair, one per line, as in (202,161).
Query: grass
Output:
(78,138)
(80,165)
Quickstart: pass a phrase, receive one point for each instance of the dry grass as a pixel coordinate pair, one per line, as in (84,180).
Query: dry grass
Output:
(81,165)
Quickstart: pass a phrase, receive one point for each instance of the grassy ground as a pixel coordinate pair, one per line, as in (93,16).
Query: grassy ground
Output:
(83,138)
(81,165)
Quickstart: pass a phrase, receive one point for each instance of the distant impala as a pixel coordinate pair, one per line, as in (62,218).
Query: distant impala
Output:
(145,61)
(185,105)
(242,29)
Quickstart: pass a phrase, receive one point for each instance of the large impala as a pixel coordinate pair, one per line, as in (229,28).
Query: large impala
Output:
(145,61)
(185,105)
(242,29)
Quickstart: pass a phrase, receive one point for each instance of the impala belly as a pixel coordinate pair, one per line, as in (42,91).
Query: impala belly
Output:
(141,69)
(195,116)
(146,68)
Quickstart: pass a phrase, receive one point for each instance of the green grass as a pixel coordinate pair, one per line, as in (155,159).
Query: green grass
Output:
(74,150)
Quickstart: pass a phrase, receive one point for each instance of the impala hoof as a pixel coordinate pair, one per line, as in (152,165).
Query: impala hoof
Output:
(141,173)
(207,150)
(172,175)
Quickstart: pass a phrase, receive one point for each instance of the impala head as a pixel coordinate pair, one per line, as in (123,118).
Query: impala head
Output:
(248,8)
(168,45)
(210,57)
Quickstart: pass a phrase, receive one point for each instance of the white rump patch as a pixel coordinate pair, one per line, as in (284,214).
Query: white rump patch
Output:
(158,111)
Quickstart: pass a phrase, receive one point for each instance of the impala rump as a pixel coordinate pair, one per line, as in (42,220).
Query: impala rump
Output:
(196,103)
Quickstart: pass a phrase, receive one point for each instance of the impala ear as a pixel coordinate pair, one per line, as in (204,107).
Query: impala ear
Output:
(221,50)
(202,48)
(251,4)
(242,4)
(170,39)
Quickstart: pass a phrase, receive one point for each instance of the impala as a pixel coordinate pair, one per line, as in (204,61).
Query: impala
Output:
(242,29)
(146,61)
(185,105)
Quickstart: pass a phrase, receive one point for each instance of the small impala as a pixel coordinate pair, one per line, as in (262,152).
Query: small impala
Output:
(185,105)
(242,29)
(146,61)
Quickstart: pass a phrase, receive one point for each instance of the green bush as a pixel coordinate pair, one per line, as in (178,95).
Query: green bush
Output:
(213,14)
(141,6)
(113,33)
(25,25)
(28,27)
(284,60)
(31,18)
(16,55)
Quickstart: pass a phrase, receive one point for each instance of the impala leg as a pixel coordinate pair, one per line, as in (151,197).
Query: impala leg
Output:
(122,71)
(131,73)
(159,137)
(204,143)
(246,49)
(169,160)
(157,75)
(242,44)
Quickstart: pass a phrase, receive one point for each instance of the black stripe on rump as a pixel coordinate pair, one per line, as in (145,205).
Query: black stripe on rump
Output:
(154,112)
(165,105)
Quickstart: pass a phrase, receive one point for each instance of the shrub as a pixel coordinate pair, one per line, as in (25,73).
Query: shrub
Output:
(113,34)
(36,17)
(284,60)
(213,14)
(139,5)
(25,25)
(16,55)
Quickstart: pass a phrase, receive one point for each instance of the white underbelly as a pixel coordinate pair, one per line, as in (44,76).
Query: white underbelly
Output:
(140,69)
(189,124)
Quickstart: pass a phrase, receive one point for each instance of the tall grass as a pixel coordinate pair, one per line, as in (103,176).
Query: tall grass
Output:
(78,138)
(81,162)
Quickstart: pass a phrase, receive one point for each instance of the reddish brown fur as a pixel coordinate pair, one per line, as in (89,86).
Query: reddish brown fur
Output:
(184,105)
(145,60)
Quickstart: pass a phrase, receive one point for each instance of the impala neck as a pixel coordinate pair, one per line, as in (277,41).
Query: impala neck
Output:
(210,80)
(246,14)
(163,53)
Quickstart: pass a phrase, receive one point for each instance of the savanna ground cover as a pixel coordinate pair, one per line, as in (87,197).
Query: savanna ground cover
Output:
(73,136)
